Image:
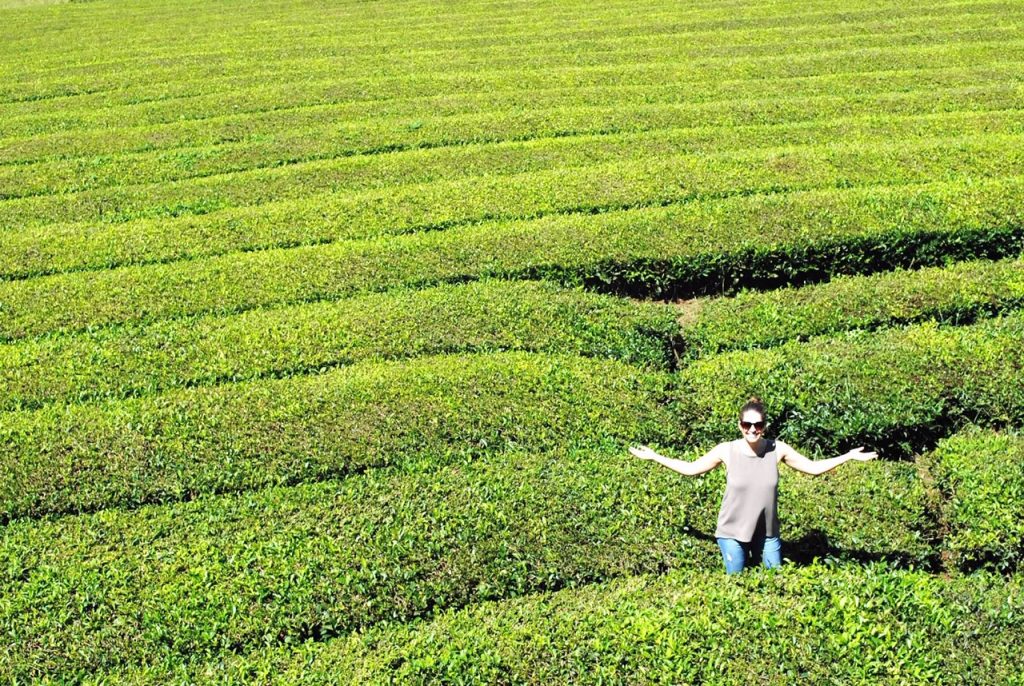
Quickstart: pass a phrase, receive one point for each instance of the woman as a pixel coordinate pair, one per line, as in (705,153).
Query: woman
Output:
(749,513)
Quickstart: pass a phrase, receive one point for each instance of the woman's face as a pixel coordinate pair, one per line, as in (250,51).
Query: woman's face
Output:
(752,425)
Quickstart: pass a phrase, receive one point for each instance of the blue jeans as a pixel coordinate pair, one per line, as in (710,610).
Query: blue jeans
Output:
(734,553)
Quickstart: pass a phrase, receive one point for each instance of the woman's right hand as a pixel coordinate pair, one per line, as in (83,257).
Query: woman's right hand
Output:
(643,452)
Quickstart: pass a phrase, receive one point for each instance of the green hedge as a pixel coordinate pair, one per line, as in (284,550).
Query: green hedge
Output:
(384,212)
(825,395)
(955,294)
(474,317)
(659,43)
(281,566)
(980,475)
(141,181)
(899,389)
(570,183)
(655,250)
(251,435)
(820,624)
(492,116)
(800,37)
(986,46)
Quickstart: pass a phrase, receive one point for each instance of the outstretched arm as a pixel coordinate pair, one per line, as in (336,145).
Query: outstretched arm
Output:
(698,466)
(815,467)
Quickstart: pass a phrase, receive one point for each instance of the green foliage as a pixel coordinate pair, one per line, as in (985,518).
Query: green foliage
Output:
(486,316)
(981,477)
(224,106)
(281,566)
(956,294)
(821,623)
(390,183)
(286,429)
(480,143)
(659,250)
(265,211)
(898,390)
(253,435)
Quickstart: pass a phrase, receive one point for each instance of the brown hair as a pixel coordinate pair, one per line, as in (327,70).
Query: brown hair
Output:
(754,403)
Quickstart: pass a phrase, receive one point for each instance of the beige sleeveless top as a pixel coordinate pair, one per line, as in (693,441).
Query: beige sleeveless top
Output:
(751,493)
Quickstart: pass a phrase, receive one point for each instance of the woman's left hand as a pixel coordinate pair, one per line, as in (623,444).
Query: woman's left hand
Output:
(861,456)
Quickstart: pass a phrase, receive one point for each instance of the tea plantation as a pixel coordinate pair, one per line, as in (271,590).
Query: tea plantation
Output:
(325,326)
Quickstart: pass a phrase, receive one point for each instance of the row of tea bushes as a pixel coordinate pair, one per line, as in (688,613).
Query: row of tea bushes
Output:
(980,476)
(957,294)
(483,316)
(899,389)
(97,136)
(550,195)
(542,48)
(281,566)
(824,395)
(571,185)
(976,47)
(331,160)
(819,623)
(227,30)
(787,238)
(251,435)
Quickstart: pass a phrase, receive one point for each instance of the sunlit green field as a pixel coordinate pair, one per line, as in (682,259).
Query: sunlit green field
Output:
(325,326)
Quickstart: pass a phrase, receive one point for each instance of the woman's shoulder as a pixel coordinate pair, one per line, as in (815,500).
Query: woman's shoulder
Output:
(725,449)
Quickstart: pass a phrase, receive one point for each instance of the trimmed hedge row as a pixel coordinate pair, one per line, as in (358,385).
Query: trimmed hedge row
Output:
(401,85)
(958,293)
(243,58)
(484,316)
(784,238)
(820,623)
(636,48)
(93,107)
(824,394)
(898,389)
(247,69)
(980,475)
(281,566)
(313,164)
(251,435)
(237,29)
(583,173)
(411,123)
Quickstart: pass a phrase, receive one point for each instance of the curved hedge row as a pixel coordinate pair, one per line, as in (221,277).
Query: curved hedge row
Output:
(821,623)
(899,389)
(243,69)
(484,316)
(285,565)
(981,477)
(447,201)
(958,293)
(786,238)
(492,28)
(727,67)
(323,159)
(251,435)
(98,106)
(432,120)
(824,394)
(572,184)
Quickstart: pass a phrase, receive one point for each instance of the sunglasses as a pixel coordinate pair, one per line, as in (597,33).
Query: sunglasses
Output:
(758,426)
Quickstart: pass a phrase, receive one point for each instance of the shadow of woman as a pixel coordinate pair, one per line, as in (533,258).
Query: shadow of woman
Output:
(816,545)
